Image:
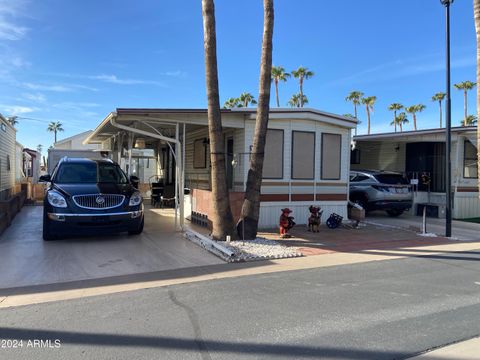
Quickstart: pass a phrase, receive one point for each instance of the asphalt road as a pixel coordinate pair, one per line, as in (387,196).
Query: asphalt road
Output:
(378,310)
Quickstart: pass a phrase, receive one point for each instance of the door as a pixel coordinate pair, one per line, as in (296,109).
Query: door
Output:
(229,159)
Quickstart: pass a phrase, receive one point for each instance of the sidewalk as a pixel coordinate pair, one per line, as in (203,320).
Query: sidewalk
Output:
(465,350)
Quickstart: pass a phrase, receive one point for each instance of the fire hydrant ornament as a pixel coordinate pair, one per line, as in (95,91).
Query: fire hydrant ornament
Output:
(286,223)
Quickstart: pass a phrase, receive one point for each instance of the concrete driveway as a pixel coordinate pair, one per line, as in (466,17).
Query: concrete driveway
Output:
(25,259)
(461,230)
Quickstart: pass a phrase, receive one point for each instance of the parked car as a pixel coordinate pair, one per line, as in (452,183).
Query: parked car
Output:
(381,190)
(86,195)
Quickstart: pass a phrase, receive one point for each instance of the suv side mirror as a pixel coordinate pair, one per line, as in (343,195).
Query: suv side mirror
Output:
(45,178)
(135,181)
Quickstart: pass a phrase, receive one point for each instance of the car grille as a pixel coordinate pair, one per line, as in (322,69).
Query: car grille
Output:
(98,201)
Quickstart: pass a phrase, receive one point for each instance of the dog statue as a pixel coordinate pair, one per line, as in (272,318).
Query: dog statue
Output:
(286,223)
(314,219)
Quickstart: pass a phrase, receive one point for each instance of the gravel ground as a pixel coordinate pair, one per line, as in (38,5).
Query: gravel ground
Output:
(260,249)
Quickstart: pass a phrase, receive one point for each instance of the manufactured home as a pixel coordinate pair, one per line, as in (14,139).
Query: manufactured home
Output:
(7,158)
(307,157)
(420,155)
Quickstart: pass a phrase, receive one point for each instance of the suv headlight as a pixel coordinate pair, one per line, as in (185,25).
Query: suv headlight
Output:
(135,199)
(57,200)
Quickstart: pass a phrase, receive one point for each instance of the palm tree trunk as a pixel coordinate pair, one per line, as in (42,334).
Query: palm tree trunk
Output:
(276,93)
(368,119)
(222,219)
(356,118)
(476,12)
(301,92)
(415,122)
(465,107)
(55,132)
(440,103)
(401,126)
(395,120)
(248,225)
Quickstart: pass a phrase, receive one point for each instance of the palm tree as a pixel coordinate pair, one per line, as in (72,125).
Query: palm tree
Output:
(278,74)
(355,98)
(302,73)
(13,120)
(248,226)
(465,86)
(39,148)
(439,97)
(369,102)
(395,107)
(414,109)
(231,103)
(55,127)
(401,120)
(471,120)
(221,216)
(297,100)
(245,99)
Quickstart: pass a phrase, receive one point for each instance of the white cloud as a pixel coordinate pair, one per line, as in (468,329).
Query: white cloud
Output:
(113,79)
(176,73)
(55,88)
(17,109)
(10,10)
(40,98)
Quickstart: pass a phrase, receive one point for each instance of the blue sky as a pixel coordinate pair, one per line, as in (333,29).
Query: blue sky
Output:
(75,61)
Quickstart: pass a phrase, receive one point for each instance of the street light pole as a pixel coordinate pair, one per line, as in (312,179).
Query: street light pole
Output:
(448,125)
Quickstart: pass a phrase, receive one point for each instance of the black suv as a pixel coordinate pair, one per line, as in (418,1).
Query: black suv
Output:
(90,196)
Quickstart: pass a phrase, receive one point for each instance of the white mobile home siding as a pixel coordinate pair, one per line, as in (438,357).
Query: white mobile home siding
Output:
(7,158)
(328,190)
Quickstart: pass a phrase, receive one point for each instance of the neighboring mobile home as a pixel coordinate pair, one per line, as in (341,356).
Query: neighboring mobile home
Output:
(307,156)
(7,158)
(422,152)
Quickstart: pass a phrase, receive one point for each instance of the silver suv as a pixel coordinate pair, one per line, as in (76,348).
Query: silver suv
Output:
(381,190)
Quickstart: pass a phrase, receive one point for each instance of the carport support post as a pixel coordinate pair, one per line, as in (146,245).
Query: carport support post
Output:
(182,181)
(130,145)
(177,161)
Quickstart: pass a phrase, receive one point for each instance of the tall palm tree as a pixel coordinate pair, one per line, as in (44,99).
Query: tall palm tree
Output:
(439,97)
(231,103)
(465,86)
(401,120)
(278,74)
(245,99)
(13,120)
(39,148)
(55,127)
(302,73)
(414,109)
(355,98)
(369,103)
(471,120)
(248,226)
(297,100)
(222,218)
(395,107)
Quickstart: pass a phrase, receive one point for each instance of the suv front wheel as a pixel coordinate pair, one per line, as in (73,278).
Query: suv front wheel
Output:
(139,229)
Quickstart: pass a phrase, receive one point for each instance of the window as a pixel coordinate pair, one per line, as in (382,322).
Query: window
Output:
(359,178)
(470,169)
(8,163)
(200,154)
(273,159)
(331,156)
(303,155)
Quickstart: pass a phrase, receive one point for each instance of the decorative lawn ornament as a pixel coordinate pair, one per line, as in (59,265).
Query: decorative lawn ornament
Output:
(286,223)
(315,218)
(334,221)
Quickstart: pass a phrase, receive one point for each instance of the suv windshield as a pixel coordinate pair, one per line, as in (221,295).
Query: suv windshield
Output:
(392,179)
(90,173)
